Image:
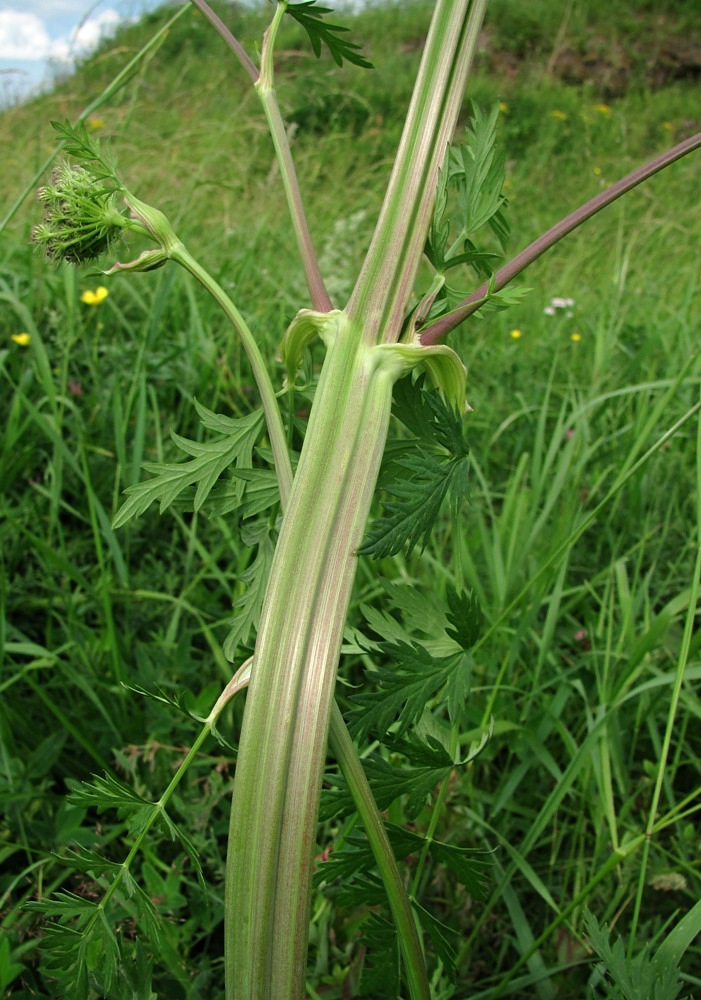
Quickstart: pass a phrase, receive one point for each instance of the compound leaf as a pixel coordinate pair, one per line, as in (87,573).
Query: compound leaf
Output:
(420,479)
(311,17)
(208,461)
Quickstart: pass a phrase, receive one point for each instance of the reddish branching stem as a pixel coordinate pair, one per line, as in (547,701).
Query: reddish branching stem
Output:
(441,327)
(233,42)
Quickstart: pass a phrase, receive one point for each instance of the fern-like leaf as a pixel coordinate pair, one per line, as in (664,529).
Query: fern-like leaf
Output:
(234,448)
(248,607)
(427,471)
(311,16)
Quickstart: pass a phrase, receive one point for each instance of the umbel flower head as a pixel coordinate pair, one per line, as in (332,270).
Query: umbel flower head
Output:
(80,221)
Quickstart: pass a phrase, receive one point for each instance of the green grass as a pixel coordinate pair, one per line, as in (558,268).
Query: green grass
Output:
(590,633)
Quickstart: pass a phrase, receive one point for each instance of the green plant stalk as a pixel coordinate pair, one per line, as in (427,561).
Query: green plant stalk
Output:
(387,277)
(283,740)
(349,762)
(265,88)
(273,417)
(285,728)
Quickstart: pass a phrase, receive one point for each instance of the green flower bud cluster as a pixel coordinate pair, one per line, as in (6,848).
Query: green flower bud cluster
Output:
(80,220)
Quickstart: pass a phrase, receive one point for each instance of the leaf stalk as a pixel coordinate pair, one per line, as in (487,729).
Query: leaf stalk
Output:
(436,331)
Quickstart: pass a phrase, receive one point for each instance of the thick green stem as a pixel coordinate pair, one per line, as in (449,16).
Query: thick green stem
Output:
(285,730)
(283,742)
(386,281)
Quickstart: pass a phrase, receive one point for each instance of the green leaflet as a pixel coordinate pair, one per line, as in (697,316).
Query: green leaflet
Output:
(430,469)
(249,605)
(403,687)
(412,674)
(210,459)
(645,977)
(469,198)
(389,783)
(320,32)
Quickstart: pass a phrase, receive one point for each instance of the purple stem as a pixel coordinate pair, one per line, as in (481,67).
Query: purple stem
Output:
(435,331)
(233,43)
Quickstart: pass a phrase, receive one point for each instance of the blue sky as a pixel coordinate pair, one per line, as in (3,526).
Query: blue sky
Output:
(38,37)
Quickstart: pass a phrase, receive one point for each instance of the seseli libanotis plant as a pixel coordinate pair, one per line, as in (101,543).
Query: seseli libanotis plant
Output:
(439,199)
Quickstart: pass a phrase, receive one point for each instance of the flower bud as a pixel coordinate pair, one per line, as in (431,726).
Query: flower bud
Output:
(80,222)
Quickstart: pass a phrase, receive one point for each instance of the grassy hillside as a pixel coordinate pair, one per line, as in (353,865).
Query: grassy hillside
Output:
(592,662)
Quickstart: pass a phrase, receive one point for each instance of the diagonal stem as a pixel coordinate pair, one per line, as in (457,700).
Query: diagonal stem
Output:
(230,39)
(504,275)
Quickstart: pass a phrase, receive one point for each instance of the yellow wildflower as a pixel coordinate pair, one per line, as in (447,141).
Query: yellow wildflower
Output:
(96,123)
(515,334)
(91,298)
(576,337)
(603,109)
(503,107)
(667,126)
(597,171)
(21,338)
(559,114)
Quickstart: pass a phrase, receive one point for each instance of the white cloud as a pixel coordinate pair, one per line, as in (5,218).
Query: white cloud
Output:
(86,36)
(25,36)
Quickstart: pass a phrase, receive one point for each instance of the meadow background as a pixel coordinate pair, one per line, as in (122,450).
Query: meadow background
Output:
(568,390)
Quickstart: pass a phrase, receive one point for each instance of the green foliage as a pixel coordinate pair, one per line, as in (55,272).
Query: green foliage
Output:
(420,474)
(469,198)
(233,448)
(409,681)
(474,174)
(9,969)
(576,674)
(79,143)
(311,17)
(645,977)
(255,576)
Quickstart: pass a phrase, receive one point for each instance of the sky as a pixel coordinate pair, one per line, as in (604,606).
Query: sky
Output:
(41,37)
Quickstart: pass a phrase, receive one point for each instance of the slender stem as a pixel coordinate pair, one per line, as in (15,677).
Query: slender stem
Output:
(265,87)
(233,42)
(349,762)
(273,418)
(264,84)
(320,299)
(504,275)
(436,813)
